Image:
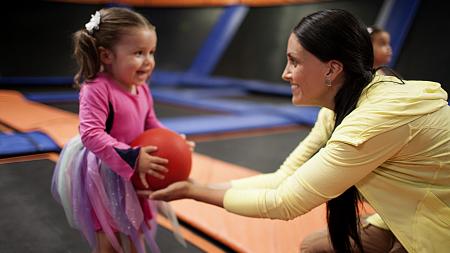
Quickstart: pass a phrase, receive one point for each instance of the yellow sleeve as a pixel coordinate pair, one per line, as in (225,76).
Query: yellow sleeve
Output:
(325,176)
(317,138)
(377,221)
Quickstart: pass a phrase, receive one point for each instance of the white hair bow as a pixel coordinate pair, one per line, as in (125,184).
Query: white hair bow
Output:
(93,23)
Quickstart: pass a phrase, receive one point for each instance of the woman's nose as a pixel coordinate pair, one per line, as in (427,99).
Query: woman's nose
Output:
(286,75)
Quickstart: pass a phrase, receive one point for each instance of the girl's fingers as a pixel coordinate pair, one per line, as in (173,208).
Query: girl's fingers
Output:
(158,168)
(156,159)
(149,149)
(143,179)
(191,145)
(155,174)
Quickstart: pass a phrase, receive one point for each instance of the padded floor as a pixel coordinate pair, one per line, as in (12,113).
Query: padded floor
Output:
(263,153)
(32,221)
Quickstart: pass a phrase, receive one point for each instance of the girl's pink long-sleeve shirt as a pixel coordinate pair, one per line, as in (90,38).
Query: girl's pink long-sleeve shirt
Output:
(111,118)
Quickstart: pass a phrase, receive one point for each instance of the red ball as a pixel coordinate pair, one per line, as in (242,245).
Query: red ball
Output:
(172,147)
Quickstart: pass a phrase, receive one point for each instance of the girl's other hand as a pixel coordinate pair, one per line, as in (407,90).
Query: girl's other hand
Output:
(151,165)
(190,143)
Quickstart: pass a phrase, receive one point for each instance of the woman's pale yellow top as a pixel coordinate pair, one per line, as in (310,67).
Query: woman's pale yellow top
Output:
(395,147)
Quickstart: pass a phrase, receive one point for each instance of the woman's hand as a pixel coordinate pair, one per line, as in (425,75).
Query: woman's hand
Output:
(151,165)
(188,190)
(175,191)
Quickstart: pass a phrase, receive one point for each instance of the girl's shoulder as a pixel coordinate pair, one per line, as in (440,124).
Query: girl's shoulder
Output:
(97,87)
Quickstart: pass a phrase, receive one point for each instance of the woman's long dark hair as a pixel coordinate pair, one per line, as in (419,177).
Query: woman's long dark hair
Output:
(338,35)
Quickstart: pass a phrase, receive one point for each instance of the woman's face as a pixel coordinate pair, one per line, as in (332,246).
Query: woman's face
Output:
(306,74)
(382,51)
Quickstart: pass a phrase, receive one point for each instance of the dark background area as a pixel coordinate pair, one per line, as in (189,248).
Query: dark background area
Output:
(36,38)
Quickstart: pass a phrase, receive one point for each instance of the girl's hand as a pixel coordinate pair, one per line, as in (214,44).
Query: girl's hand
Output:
(151,165)
(190,143)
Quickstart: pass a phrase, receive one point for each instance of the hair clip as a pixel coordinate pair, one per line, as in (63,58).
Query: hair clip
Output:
(370,30)
(93,23)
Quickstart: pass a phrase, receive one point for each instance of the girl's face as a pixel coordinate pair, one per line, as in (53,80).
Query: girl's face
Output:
(306,74)
(131,61)
(381,48)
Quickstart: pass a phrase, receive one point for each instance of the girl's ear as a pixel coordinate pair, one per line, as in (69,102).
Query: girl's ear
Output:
(105,55)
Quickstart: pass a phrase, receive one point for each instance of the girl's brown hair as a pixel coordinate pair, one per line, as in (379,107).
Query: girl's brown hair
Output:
(114,22)
(374,30)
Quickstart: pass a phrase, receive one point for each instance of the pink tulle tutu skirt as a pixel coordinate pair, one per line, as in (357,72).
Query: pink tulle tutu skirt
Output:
(95,198)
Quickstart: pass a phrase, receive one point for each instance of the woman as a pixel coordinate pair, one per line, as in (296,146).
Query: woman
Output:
(379,137)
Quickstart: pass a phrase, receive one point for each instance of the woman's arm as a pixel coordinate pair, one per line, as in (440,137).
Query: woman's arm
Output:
(316,139)
(325,176)
(210,194)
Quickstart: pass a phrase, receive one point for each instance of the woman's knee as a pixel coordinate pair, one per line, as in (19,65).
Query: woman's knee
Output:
(317,242)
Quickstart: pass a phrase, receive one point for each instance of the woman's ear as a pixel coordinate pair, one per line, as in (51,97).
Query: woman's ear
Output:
(105,55)
(335,68)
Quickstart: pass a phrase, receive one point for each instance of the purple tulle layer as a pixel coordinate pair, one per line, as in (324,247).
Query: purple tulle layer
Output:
(94,197)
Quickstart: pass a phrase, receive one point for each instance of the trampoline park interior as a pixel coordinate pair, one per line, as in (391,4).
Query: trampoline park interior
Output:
(217,80)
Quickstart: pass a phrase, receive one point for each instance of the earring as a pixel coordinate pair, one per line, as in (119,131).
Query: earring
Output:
(328,82)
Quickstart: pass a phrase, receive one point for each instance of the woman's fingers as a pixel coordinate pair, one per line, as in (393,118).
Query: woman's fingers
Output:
(145,193)
(160,195)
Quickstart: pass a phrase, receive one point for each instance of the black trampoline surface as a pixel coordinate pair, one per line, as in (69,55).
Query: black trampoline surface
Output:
(263,153)
(263,98)
(32,221)
(162,110)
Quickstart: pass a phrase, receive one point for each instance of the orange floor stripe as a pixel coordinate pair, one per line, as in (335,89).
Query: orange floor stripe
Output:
(50,156)
(23,115)
(192,3)
(191,237)
(243,234)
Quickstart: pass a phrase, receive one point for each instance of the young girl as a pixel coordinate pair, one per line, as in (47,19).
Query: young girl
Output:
(115,52)
(382,51)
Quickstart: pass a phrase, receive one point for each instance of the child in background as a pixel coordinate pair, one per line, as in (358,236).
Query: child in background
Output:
(115,53)
(382,50)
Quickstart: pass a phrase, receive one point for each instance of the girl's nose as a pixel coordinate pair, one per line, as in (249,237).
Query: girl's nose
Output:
(149,59)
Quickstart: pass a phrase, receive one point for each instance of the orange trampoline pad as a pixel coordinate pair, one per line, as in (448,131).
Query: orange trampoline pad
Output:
(240,233)
(191,3)
(23,115)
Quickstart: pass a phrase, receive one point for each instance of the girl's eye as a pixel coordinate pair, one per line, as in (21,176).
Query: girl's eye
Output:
(139,53)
